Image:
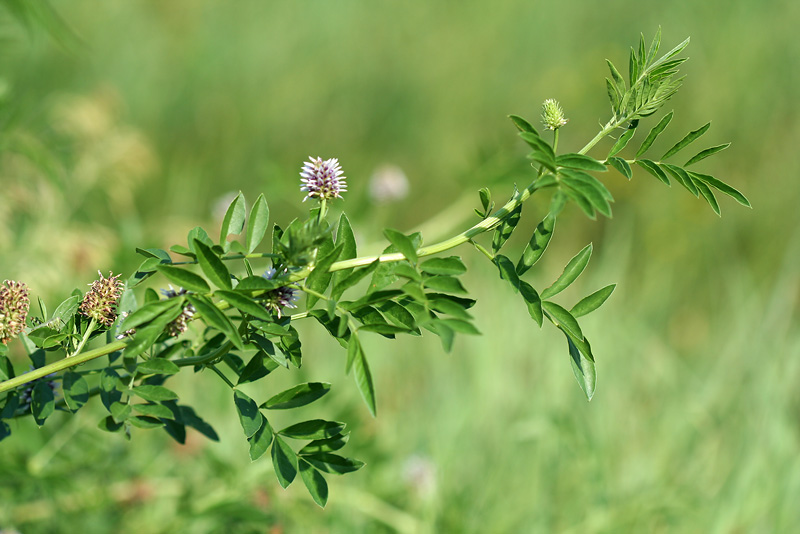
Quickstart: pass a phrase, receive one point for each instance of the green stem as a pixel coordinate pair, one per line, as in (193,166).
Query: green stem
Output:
(222,376)
(323,204)
(89,330)
(60,365)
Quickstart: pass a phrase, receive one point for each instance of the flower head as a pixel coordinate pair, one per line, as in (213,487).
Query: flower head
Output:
(100,302)
(14,305)
(322,179)
(280,298)
(553,115)
(180,324)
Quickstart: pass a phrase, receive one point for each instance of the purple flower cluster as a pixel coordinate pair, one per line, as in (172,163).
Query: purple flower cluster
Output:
(322,179)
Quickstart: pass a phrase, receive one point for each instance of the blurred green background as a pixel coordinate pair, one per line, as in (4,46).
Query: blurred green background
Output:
(125,124)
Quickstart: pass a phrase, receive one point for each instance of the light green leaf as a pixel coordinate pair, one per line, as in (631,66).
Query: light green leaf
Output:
(445,266)
(593,301)
(563,319)
(233,222)
(258,223)
(325,445)
(653,168)
(319,278)
(622,142)
(654,133)
(402,243)
(682,177)
(532,301)
(522,125)
(363,378)
(447,284)
(703,154)
(183,278)
(154,393)
(212,266)
(157,366)
(571,272)
(621,166)
(245,304)
(683,143)
(583,368)
(313,429)
(299,395)
(580,161)
(214,317)
(721,186)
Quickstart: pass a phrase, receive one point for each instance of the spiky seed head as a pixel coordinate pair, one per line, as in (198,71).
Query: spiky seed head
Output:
(100,302)
(14,305)
(553,115)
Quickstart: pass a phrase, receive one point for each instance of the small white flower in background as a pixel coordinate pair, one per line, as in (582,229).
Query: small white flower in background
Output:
(419,474)
(388,184)
(322,179)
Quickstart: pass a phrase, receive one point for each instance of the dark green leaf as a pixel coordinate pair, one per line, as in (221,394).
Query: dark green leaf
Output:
(65,310)
(260,441)
(352,279)
(621,166)
(5,430)
(258,283)
(214,317)
(622,142)
(298,396)
(385,329)
(450,307)
(233,222)
(593,301)
(185,279)
(447,284)
(486,199)
(444,266)
(150,311)
(43,401)
(325,445)
(503,232)
(313,429)
(722,187)
(144,421)
(399,315)
(109,387)
(154,393)
(109,425)
(157,366)
(191,419)
(75,389)
(315,482)
(522,125)
(562,318)
(257,224)
(682,177)
(703,154)
(532,301)
(708,195)
(583,368)
(653,168)
(654,133)
(333,463)
(154,410)
(571,272)
(284,460)
(319,278)
(683,143)
(590,192)
(371,298)
(507,270)
(580,161)
(245,304)
(583,203)
(537,245)
(120,411)
(212,266)
(249,415)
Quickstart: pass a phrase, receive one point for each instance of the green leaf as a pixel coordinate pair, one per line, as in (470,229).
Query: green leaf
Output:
(144,422)
(448,306)
(563,319)
(458,325)
(505,229)
(571,272)
(183,278)
(682,177)
(653,168)
(708,195)
(43,402)
(149,312)
(654,133)
(260,441)
(319,278)
(345,237)
(245,304)
(325,445)
(583,368)
(284,460)
(580,161)
(622,142)
(233,222)
(522,125)
(157,366)
(557,203)
(445,266)
(583,203)
(154,393)
(486,200)
(507,270)
(402,243)
(351,279)
(258,283)
(593,301)
(447,284)
(120,411)
(199,234)
(385,329)
(66,309)
(109,425)
(333,463)
(257,224)
(621,166)
(703,154)
(592,189)
(313,429)
(542,151)
(212,266)
(154,410)
(249,415)
(399,315)
(76,391)
(537,245)
(363,378)
(683,143)
(299,395)
(721,186)
(315,482)
(258,367)
(109,391)
(532,301)
(214,317)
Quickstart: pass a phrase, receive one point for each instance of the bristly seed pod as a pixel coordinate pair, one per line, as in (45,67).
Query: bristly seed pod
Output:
(100,302)
(14,305)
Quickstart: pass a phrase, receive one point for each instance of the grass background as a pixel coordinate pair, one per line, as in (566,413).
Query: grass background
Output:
(140,121)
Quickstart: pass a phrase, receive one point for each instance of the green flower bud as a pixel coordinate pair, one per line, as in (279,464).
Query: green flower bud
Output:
(553,115)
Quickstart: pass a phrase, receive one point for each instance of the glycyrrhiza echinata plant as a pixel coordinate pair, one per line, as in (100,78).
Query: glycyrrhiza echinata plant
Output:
(228,309)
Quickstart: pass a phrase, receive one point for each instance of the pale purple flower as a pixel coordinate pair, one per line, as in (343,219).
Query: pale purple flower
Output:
(322,179)
(278,299)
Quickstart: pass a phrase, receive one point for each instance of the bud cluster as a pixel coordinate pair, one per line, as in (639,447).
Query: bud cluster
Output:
(322,179)
(278,299)
(14,305)
(181,323)
(100,302)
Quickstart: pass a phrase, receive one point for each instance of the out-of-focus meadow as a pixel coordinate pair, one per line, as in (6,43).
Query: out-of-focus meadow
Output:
(141,121)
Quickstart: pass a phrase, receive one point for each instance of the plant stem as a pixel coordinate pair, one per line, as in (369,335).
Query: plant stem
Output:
(89,330)
(222,376)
